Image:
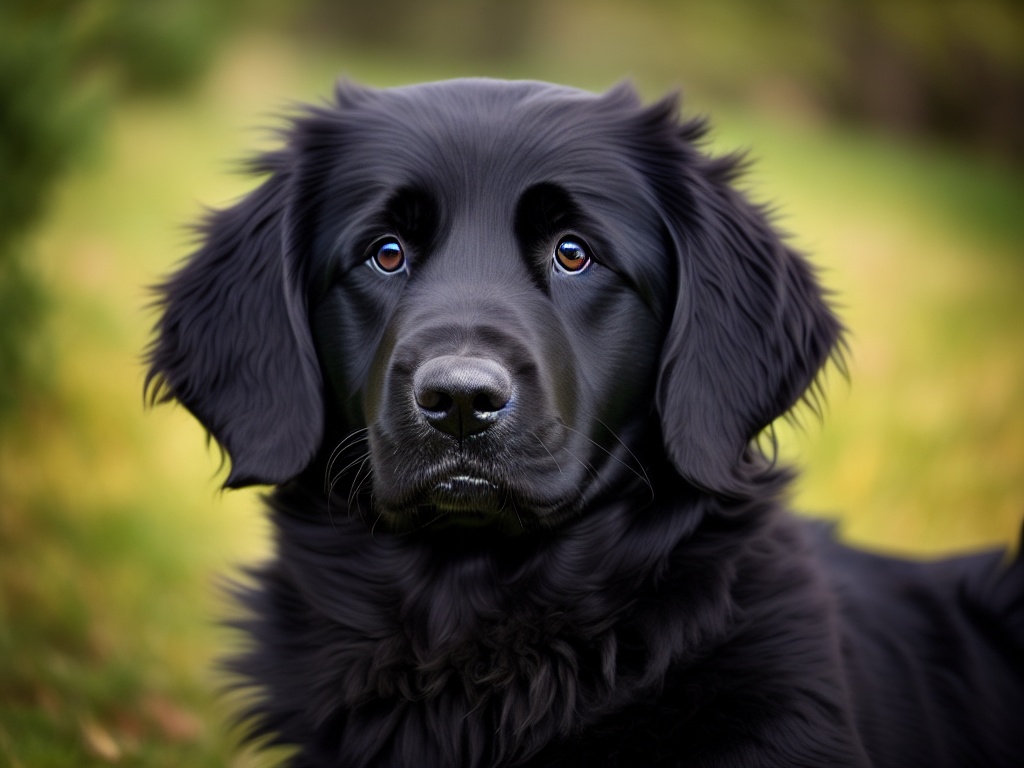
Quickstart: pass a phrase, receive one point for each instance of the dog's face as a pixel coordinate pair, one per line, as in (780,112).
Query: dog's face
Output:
(508,297)
(483,300)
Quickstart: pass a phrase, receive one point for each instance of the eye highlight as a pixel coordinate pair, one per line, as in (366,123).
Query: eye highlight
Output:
(387,256)
(570,256)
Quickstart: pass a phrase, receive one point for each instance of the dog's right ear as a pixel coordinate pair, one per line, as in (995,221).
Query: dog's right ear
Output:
(233,344)
(751,328)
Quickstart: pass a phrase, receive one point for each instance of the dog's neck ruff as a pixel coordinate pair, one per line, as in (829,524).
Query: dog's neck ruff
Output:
(524,647)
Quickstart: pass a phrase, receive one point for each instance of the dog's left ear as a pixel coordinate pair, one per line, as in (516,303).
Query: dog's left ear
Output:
(233,344)
(750,329)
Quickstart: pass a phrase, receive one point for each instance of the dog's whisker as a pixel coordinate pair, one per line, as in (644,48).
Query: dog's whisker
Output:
(330,491)
(642,477)
(373,528)
(361,458)
(647,479)
(338,450)
(519,517)
(337,477)
(358,483)
(430,522)
(347,442)
(587,466)
(548,452)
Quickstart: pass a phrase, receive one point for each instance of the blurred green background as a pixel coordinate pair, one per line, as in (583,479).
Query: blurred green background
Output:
(888,135)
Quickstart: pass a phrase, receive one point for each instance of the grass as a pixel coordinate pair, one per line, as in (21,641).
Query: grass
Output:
(113,535)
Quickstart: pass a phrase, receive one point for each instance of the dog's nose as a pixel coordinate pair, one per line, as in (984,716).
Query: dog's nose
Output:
(462,396)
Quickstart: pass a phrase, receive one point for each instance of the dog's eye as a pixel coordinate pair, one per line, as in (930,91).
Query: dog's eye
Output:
(571,256)
(387,256)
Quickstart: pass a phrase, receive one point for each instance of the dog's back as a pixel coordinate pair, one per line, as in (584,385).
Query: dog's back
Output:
(938,646)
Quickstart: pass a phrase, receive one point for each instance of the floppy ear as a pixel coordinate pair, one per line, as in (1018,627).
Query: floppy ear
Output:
(233,344)
(750,330)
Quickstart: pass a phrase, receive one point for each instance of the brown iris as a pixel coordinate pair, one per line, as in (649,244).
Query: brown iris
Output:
(571,256)
(388,256)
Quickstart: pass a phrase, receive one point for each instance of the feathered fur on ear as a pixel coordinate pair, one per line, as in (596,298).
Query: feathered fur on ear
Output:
(750,330)
(233,345)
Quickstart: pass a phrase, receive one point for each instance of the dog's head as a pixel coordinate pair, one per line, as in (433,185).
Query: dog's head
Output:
(508,296)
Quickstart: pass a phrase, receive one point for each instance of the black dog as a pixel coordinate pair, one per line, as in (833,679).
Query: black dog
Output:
(505,349)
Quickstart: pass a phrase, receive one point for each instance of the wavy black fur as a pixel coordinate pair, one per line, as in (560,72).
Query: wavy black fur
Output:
(579,557)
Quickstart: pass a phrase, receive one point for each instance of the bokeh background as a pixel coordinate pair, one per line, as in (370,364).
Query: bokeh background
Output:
(889,136)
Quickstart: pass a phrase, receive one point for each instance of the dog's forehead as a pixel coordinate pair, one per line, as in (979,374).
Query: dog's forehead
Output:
(483,92)
(495,135)
(472,107)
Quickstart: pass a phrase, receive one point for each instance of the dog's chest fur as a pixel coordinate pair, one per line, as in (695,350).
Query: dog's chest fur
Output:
(366,651)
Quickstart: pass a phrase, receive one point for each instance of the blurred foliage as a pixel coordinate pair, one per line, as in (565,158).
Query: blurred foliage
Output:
(39,133)
(459,29)
(950,69)
(159,46)
(60,60)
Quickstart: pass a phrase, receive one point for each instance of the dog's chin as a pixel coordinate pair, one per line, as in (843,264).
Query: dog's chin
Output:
(465,499)
(459,502)
(428,521)
(467,502)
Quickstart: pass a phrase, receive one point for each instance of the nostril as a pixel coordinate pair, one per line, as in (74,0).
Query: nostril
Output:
(434,400)
(490,402)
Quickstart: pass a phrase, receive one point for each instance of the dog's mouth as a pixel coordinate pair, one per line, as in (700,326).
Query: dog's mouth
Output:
(465,498)
(470,501)
(474,499)
(481,485)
